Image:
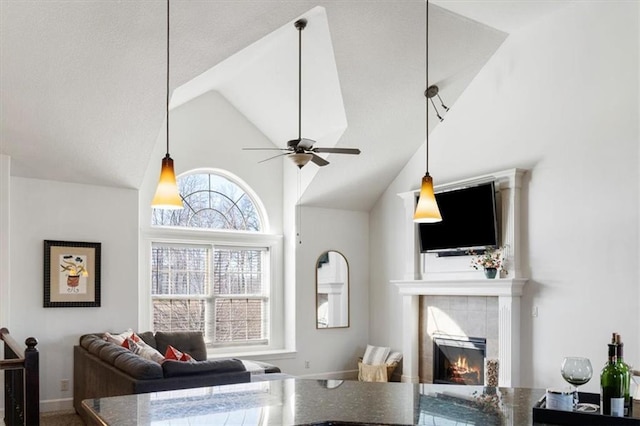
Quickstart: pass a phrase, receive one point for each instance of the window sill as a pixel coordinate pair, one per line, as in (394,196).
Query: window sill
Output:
(256,355)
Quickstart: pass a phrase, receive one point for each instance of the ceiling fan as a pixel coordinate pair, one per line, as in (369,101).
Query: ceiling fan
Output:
(301,150)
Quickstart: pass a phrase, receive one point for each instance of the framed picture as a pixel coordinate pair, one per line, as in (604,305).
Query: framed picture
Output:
(71,274)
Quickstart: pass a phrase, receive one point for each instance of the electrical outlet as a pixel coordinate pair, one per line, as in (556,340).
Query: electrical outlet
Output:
(307,364)
(64,385)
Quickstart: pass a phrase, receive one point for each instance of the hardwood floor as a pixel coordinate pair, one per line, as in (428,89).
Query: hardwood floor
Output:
(60,418)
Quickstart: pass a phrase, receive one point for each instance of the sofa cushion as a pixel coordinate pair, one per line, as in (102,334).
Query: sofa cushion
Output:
(110,352)
(86,339)
(173,368)
(149,338)
(95,345)
(185,341)
(138,367)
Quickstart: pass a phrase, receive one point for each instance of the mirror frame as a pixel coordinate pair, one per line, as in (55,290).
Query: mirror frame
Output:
(348,292)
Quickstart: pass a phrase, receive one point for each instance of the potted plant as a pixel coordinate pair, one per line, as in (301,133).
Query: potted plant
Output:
(74,268)
(491,261)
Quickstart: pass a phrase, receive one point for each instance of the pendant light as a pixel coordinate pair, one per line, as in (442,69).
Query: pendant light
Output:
(167,195)
(427,210)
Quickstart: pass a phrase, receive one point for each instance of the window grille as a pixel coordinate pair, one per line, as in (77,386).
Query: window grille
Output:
(211,201)
(218,288)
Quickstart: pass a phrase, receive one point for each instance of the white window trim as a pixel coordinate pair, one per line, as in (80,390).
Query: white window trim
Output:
(169,235)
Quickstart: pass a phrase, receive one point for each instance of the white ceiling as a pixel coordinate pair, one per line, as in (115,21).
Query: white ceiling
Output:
(83,83)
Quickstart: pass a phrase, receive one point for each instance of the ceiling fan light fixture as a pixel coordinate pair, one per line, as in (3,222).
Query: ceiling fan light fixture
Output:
(301,159)
(427,210)
(301,150)
(167,195)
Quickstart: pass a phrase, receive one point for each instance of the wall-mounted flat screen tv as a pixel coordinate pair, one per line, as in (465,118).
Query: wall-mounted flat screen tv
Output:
(468,220)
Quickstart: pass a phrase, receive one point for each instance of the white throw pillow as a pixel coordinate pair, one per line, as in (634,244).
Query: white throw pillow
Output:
(143,350)
(393,358)
(375,355)
(118,339)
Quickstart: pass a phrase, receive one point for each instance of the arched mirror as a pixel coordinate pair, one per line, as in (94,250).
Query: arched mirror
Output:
(332,290)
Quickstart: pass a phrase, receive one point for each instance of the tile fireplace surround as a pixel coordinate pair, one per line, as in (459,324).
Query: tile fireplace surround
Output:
(429,275)
(508,292)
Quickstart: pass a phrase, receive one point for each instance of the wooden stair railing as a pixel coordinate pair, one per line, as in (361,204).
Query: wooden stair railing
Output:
(21,381)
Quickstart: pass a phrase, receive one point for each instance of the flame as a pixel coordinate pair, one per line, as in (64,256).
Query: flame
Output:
(462,363)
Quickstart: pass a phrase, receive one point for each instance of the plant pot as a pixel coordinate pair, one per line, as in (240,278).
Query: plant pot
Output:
(490,272)
(73,280)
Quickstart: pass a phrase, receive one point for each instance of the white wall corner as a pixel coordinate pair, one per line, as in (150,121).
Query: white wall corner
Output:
(5,257)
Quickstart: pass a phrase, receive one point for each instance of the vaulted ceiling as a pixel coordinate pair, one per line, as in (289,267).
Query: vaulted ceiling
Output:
(83,83)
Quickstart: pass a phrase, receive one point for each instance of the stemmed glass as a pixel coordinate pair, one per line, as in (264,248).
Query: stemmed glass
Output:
(576,371)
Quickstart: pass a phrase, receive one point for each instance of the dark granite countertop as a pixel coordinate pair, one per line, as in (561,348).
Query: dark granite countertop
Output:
(320,402)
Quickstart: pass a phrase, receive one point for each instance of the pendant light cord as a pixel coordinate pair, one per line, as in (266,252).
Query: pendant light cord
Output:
(168,77)
(300,25)
(426,104)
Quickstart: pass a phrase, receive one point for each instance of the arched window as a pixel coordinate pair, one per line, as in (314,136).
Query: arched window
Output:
(216,283)
(211,201)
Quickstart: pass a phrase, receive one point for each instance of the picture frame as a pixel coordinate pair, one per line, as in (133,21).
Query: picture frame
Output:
(71,274)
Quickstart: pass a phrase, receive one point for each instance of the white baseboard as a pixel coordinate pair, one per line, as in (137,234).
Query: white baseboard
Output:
(331,375)
(64,404)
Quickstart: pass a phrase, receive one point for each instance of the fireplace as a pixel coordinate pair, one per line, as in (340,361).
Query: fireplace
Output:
(458,360)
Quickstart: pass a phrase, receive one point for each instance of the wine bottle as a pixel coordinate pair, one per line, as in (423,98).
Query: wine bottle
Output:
(626,371)
(612,385)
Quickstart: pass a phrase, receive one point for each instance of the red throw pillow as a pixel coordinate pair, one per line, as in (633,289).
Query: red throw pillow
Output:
(173,353)
(126,344)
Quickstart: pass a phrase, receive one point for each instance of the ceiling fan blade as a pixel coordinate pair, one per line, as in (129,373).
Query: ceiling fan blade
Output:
(271,158)
(306,144)
(265,149)
(319,160)
(355,151)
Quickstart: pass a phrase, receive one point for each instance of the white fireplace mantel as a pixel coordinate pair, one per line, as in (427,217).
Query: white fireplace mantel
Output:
(429,275)
(508,291)
(462,287)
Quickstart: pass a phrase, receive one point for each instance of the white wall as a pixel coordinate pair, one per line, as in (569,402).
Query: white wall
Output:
(559,98)
(46,210)
(5,267)
(332,350)
(5,197)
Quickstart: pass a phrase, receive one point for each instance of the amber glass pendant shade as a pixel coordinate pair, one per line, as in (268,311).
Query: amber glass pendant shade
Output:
(167,195)
(427,210)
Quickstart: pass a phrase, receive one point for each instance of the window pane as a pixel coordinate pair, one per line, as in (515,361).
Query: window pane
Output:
(179,270)
(240,320)
(238,271)
(213,202)
(179,315)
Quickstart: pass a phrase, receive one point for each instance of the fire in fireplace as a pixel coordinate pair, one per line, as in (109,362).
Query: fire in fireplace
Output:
(458,360)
